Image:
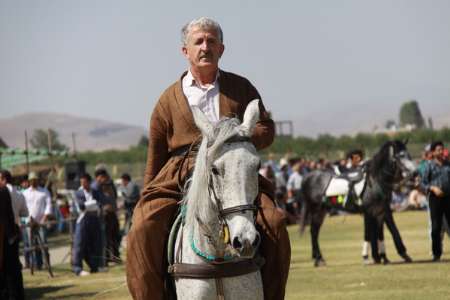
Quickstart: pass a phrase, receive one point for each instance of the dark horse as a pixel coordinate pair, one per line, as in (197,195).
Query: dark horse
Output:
(390,165)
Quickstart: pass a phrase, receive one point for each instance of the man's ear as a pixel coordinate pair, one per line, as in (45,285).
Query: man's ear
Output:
(222,50)
(184,50)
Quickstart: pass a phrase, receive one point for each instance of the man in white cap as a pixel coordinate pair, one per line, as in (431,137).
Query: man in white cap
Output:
(39,205)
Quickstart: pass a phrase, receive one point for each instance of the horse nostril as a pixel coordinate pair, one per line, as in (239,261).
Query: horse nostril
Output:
(236,243)
(256,241)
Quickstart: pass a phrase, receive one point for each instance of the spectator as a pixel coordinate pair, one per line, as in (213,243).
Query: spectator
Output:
(11,281)
(40,208)
(281,178)
(294,185)
(87,239)
(19,204)
(436,185)
(24,184)
(108,204)
(130,192)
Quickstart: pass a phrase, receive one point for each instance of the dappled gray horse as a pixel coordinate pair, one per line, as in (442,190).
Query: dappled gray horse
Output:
(215,247)
(390,165)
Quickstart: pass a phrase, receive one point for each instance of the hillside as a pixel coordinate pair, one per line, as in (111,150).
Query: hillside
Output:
(90,134)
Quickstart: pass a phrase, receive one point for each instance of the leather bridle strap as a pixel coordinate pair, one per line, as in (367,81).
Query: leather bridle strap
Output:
(238,209)
(223,212)
(216,270)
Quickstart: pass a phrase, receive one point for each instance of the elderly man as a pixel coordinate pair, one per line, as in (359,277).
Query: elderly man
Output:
(39,205)
(218,94)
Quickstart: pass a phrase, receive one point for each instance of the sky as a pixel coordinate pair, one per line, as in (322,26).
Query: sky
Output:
(329,66)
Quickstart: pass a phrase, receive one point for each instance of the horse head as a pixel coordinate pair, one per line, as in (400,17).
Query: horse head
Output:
(230,166)
(398,154)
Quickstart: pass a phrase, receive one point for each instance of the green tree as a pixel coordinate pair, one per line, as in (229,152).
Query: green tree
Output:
(410,114)
(40,140)
(143,141)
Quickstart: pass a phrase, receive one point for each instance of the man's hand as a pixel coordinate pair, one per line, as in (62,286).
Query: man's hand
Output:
(436,191)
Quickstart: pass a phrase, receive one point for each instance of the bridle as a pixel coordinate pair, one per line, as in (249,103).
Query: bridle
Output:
(238,209)
(396,169)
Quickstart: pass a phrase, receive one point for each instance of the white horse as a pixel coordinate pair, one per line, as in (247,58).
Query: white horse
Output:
(219,219)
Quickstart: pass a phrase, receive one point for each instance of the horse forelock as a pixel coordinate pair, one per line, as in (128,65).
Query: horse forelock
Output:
(197,198)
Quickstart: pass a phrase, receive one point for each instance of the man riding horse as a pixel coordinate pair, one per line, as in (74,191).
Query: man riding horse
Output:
(172,134)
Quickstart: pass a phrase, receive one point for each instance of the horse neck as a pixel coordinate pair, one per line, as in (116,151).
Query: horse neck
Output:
(381,177)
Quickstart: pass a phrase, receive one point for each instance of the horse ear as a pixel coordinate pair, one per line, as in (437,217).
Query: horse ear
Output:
(406,141)
(202,122)
(251,116)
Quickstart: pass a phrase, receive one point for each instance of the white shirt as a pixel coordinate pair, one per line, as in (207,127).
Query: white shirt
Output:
(204,97)
(295,182)
(91,203)
(38,202)
(19,204)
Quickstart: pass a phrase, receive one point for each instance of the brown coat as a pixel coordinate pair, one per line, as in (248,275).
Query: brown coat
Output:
(172,126)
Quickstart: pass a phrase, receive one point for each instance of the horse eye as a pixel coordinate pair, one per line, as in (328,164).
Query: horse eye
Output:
(214,170)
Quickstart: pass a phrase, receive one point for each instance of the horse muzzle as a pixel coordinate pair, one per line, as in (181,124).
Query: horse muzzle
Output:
(245,246)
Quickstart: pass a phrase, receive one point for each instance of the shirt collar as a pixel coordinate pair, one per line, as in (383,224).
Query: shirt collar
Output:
(189,79)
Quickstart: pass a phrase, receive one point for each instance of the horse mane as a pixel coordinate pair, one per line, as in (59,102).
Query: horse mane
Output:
(199,204)
(379,159)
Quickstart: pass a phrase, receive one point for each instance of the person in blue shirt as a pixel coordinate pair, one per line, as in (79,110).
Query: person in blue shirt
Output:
(435,184)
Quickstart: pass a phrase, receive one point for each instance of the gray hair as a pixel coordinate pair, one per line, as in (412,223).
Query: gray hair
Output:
(205,24)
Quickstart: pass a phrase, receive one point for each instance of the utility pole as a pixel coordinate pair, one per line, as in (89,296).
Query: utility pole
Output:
(26,154)
(49,140)
(74,145)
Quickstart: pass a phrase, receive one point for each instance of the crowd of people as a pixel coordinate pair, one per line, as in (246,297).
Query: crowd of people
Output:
(92,214)
(429,192)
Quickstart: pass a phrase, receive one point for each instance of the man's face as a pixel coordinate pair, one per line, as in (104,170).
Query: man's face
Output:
(2,181)
(438,152)
(356,159)
(85,183)
(25,184)
(203,49)
(124,182)
(101,179)
(428,155)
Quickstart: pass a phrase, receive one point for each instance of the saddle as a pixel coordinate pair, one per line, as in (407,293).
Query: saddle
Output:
(344,191)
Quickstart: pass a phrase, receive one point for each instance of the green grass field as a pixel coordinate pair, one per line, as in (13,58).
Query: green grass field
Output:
(344,277)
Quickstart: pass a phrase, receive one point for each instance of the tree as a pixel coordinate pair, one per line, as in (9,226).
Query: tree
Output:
(410,114)
(40,140)
(143,141)
(430,123)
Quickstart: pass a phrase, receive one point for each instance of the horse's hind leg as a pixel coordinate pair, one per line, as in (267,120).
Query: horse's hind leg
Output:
(316,223)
